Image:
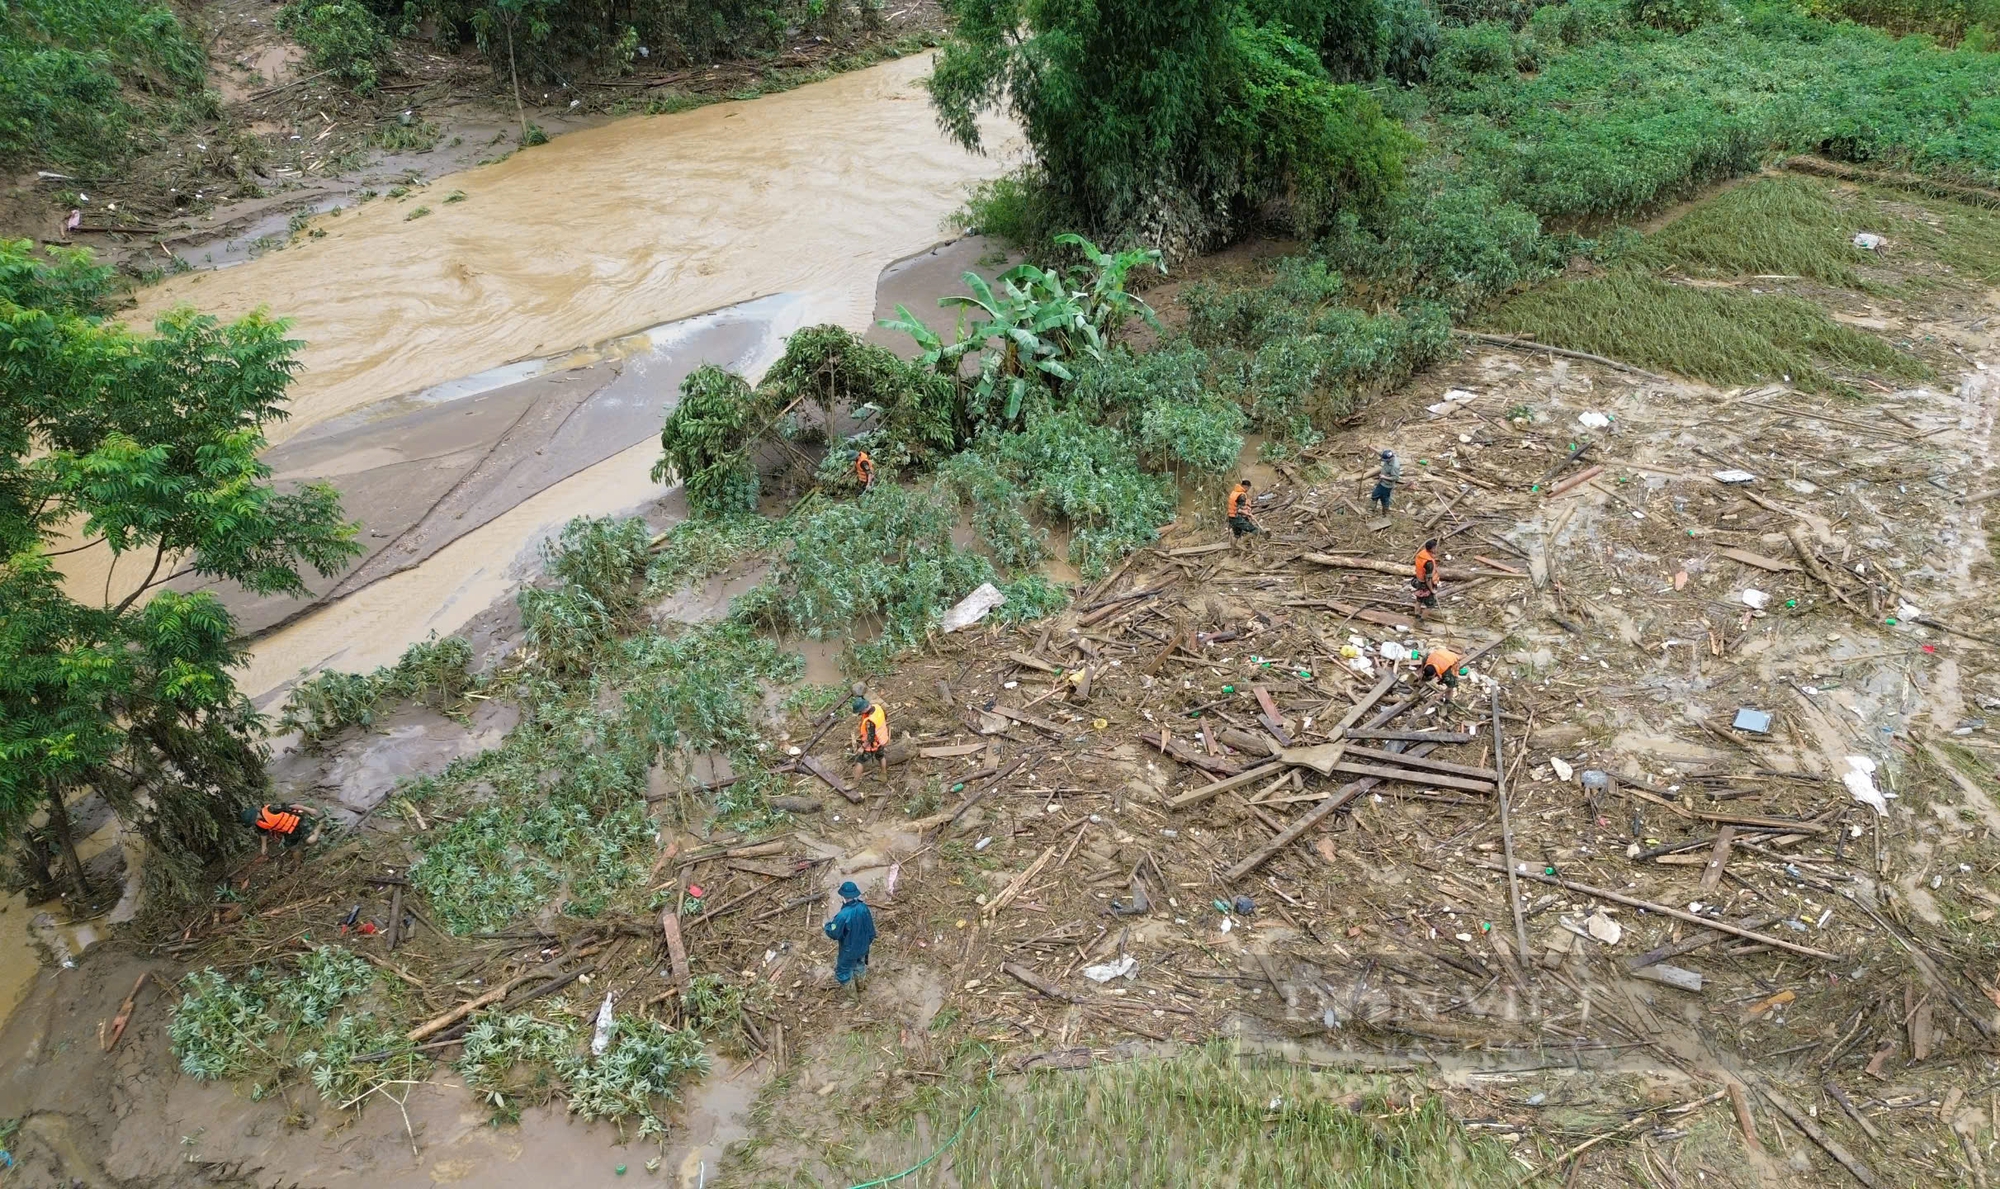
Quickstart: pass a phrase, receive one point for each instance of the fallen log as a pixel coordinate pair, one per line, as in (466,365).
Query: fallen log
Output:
(1805,951)
(1030,979)
(1575,481)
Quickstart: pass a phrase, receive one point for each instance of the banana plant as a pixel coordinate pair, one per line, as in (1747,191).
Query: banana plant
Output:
(1033,328)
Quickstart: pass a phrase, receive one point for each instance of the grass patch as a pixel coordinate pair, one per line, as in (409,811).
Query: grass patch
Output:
(1772,226)
(1721,336)
(1210,1118)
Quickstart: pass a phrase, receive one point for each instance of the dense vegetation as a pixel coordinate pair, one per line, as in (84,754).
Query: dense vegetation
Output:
(77,78)
(145,448)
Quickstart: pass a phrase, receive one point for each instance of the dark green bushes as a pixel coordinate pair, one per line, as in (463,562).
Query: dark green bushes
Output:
(1169,121)
(70,69)
(344,37)
(596,564)
(707,439)
(1619,120)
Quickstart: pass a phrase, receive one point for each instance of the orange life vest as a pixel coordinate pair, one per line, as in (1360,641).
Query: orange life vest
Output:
(1237,495)
(864,468)
(1426,567)
(871,734)
(1441,663)
(276,821)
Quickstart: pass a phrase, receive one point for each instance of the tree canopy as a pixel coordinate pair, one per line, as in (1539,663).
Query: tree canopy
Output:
(142,445)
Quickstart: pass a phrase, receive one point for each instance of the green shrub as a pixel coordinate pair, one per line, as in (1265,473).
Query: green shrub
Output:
(221,1029)
(1950,21)
(521,1060)
(707,439)
(911,413)
(1172,121)
(1089,475)
(71,71)
(1358,40)
(1675,16)
(1461,245)
(699,549)
(602,556)
(343,37)
(1030,597)
(887,555)
(432,670)
(998,510)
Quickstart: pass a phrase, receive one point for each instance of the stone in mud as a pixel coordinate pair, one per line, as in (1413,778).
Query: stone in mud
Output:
(793,804)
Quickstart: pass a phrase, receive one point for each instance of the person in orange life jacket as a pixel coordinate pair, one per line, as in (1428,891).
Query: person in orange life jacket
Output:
(1426,578)
(294,825)
(1441,666)
(1241,520)
(864,470)
(871,735)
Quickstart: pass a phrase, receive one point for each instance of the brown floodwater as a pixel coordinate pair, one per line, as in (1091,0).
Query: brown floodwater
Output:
(564,257)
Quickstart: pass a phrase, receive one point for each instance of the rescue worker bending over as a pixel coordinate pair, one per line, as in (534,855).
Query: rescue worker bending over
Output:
(294,825)
(864,470)
(1441,666)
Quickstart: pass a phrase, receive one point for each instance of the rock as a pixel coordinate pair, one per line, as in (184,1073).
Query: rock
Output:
(792,804)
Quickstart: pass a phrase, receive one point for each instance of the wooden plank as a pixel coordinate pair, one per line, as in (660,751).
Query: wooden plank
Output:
(1678,914)
(1403,760)
(951,751)
(1672,976)
(1407,776)
(670,927)
(1273,721)
(812,765)
(1759,561)
(1297,829)
(1575,481)
(1366,704)
(1040,724)
(1693,942)
(1717,859)
(1035,981)
(770,870)
(1248,776)
(1409,736)
(1032,662)
(1020,881)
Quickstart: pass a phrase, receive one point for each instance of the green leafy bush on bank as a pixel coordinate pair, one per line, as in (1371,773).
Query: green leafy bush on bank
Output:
(433,670)
(343,37)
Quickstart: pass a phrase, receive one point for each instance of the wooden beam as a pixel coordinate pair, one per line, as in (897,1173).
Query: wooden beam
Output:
(1248,776)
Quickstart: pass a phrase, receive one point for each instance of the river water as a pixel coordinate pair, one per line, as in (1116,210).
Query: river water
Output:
(583,265)
(582,253)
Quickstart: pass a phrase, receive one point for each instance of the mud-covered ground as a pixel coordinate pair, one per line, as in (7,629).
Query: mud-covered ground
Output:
(1054,777)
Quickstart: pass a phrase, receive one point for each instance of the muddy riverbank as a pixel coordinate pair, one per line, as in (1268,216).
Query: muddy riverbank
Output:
(478,374)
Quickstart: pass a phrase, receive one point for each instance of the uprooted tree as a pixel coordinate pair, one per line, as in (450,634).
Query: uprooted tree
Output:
(142,450)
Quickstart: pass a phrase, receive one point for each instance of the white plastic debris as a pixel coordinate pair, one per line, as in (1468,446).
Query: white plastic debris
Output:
(1603,928)
(1867,241)
(1122,968)
(1860,782)
(1908,611)
(1755,599)
(973,607)
(1734,476)
(601,1040)
(1392,651)
(1563,770)
(1593,420)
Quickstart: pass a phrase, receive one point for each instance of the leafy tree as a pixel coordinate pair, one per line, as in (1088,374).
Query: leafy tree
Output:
(142,446)
(1171,120)
(70,70)
(707,439)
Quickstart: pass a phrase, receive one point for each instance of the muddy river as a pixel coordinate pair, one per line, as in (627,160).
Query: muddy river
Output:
(490,354)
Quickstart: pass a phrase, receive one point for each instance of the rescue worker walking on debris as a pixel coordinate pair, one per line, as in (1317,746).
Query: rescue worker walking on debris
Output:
(864,470)
(854,928)
(871,735)
(1425,579)
(1441,666)
(294,824)
(1387,476)
(1241,520)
